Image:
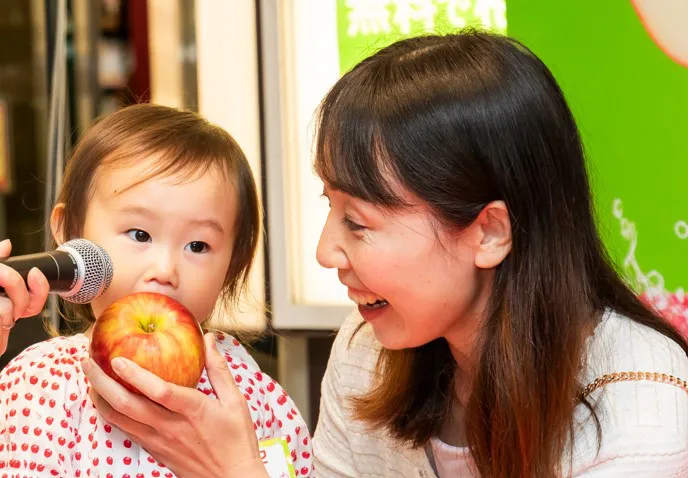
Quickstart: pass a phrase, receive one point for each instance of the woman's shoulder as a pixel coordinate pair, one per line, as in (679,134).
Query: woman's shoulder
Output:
(343,442)
(621,344)
(356,336)
(355,350)
(644,421)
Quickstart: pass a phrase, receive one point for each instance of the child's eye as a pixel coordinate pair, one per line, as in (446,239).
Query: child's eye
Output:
(198,247)
(138,235)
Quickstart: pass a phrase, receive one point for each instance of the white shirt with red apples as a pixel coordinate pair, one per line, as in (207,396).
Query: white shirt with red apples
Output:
(49,426)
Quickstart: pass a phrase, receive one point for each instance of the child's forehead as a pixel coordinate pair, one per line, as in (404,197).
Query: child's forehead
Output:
(118,177)
(167,197)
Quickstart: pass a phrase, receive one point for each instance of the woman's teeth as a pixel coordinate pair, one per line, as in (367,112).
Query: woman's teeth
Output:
(367,300)
(376,305)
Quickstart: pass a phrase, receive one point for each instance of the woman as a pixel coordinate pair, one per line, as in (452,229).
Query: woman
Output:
(462,224)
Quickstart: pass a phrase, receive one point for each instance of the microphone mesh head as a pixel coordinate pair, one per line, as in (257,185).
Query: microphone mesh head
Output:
(97,270)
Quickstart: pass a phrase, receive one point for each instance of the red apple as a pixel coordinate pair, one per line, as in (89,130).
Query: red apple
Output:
(154,331)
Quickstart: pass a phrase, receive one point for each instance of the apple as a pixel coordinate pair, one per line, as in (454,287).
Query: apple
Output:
(154,331)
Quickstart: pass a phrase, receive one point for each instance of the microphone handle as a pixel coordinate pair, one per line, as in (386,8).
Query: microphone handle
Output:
(59,267)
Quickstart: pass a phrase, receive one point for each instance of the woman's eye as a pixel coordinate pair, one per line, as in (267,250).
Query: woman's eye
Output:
(198,247)
(138,235)
(352,225)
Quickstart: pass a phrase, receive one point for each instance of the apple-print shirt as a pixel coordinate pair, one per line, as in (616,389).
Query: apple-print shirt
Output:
(49,426)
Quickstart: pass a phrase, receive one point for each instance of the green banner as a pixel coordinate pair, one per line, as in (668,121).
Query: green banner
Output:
(630,98)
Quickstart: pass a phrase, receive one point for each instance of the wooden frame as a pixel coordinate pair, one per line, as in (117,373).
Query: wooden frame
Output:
(304,296)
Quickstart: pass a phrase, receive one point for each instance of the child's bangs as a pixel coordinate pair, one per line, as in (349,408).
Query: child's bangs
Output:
(181,161)
(189,166)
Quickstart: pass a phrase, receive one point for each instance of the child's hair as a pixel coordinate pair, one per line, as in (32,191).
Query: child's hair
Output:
(461,121)
(184,145)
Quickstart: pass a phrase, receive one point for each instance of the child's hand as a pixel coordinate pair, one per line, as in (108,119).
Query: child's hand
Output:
(194,435)
(18,300)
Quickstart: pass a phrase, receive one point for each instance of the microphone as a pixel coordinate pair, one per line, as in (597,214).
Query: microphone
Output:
(78,270)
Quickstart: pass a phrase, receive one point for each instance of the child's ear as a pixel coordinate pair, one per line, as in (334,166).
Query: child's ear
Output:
(57,223)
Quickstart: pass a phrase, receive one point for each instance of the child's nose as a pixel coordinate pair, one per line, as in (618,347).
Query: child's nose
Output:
(164,270)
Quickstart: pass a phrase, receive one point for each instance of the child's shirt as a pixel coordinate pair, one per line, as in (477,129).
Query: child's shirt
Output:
(49,426)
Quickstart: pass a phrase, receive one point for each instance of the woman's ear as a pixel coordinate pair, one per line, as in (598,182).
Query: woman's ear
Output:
(57,223)
(494,227)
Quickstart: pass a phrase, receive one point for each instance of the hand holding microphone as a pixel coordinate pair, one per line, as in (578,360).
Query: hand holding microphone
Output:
(20,301)
(79,271)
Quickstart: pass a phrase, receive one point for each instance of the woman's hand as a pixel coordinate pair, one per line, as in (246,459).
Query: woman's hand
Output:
(18,300)
(194,435)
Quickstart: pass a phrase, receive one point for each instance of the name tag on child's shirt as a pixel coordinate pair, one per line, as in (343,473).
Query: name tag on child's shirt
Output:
(277,458)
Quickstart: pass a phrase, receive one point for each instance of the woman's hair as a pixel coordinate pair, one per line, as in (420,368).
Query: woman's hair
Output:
(462,120)
(184,146)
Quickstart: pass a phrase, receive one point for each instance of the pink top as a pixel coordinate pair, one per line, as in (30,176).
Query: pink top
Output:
(49,426)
